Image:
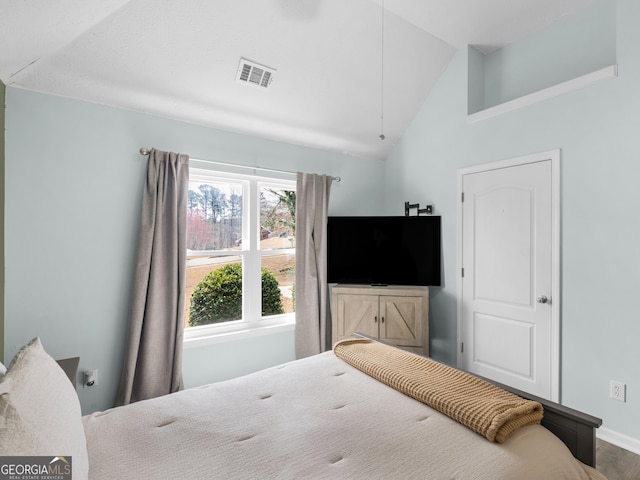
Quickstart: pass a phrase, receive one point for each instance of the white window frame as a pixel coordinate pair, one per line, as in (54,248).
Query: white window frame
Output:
(252,323)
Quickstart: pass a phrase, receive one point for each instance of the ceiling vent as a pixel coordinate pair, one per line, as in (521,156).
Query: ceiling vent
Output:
(254,74)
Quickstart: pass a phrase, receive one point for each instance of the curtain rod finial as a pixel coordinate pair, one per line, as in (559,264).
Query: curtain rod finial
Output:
(144,151)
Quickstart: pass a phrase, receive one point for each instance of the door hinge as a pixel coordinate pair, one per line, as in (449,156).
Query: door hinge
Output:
(462,272)
(462,195)
(461,347)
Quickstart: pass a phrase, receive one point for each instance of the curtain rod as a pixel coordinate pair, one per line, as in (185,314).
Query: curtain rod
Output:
(146,151)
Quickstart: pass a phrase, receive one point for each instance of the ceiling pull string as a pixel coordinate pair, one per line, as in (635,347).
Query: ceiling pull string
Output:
(381,136)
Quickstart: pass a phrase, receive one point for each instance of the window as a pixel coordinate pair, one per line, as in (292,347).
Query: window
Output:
(240,253)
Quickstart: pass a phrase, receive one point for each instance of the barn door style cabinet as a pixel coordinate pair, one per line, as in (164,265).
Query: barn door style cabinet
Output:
(397,315)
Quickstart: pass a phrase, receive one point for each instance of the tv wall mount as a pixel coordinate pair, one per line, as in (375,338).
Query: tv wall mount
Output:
(428,209)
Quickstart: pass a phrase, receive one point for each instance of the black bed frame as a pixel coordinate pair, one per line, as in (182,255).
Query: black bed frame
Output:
(576,429)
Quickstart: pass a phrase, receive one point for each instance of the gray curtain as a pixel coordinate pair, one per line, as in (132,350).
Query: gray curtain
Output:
(153,358)
(313,327)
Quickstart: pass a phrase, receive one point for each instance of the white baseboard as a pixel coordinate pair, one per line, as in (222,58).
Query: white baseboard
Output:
(619,440)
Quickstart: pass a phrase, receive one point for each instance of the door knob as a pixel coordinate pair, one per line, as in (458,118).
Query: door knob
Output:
(542,299)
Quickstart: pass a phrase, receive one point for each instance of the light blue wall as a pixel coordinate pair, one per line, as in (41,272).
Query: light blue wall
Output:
(74,182)
(571,47)
(597,129)
(231,359)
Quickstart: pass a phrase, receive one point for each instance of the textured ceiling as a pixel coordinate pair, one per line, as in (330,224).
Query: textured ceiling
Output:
(178,59)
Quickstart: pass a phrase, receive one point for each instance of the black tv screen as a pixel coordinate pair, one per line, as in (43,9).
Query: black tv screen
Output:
(384,250)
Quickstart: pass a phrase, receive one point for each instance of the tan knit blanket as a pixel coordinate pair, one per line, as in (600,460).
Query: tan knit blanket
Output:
(486,409)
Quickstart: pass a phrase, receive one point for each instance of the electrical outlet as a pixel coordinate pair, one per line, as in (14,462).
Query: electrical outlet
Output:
(90,378)
(618,391)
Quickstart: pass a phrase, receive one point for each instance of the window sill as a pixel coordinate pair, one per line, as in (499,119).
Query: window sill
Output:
(211,338)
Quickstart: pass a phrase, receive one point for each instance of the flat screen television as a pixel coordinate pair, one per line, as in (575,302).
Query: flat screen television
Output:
(384,250)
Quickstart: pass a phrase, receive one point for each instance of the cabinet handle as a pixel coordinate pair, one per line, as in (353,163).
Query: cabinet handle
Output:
(381,319)
(375,319)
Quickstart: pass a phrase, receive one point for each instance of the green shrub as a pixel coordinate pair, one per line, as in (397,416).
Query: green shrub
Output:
(218,297)
(271,302)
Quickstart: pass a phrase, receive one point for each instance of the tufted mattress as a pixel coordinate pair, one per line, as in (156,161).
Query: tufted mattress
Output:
(313,418)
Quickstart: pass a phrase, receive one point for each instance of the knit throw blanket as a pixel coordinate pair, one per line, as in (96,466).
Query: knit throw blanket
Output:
(486,409)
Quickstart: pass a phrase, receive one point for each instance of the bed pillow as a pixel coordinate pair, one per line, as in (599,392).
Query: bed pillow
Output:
(39,410)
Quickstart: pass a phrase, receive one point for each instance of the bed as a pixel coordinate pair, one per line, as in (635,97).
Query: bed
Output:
(319,417)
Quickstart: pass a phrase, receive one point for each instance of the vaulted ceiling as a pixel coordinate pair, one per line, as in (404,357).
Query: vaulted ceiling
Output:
(344,71)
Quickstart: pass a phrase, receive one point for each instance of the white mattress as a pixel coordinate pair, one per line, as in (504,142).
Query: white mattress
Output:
(313,418)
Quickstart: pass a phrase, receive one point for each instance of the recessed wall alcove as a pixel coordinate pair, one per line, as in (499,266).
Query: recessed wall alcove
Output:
(562,57)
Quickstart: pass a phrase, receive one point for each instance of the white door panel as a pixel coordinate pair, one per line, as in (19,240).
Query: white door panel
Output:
(507,253)
(493,352)
(503,231)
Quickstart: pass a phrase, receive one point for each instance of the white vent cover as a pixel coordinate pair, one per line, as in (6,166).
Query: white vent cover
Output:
(254,74)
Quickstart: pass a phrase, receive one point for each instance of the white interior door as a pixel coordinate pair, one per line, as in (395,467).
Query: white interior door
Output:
(509,296)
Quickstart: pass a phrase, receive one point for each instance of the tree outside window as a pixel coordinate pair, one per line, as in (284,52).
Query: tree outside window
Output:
(238,247)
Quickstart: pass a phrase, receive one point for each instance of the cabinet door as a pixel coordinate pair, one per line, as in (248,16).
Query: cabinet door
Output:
(401,320)
(356,313)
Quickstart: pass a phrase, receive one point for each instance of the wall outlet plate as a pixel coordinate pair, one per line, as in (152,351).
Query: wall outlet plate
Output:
(618,391)
(90,378)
